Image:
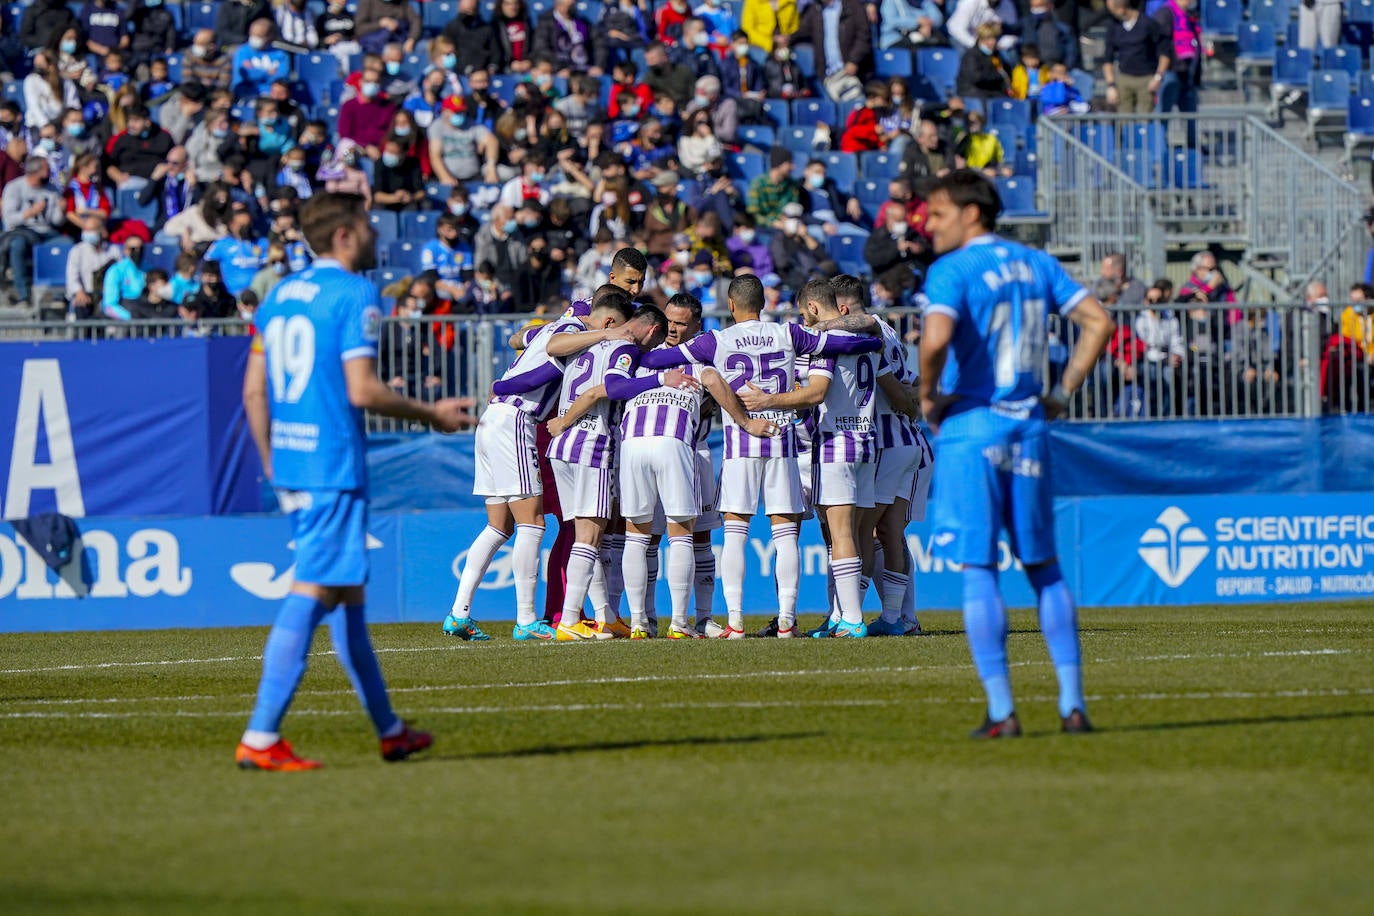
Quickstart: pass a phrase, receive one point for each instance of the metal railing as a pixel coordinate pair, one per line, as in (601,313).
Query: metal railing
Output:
(1141,183)
(105,329)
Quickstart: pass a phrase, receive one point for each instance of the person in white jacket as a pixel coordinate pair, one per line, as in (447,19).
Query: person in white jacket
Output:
(46,95)
(970,14)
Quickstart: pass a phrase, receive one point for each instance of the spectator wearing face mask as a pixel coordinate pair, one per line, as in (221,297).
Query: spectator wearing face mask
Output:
(782,75)
(797,254)
(488,293)
(240,255)
(211,299)
(256,64)
(293,174)
(770,192)
(206,63)
(528,185)
(461,149)
(155,303)
(982,75)
(740,76)
(136,153)
(381,22)
(88,257)
(894,245)
(270,274)
(124,282)
(168,186)
(366,117)
(233,21)
(447,257)
(397,182)
(862,131)
(202,224)
(744,241)
(154,31)
(498,244)
(723,110)
(825,203)
(341,173)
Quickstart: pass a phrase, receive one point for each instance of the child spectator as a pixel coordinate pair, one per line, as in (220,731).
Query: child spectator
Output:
(155,303)
(183,283)
(211,299)
(1025,77)
(1058,95)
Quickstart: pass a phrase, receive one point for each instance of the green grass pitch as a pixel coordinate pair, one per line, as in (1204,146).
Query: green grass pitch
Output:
(1233,773)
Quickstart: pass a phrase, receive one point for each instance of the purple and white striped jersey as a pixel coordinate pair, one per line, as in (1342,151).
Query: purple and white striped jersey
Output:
(592,440)
(542,370)
(894,428)
(806,417)
(846,432)
(663,411)
(762,353)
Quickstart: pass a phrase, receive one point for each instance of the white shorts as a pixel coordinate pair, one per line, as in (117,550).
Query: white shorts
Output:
(708,519)
(506,455)
(742,480)
(897,468)
(843,483)
(583,491)
(654,471)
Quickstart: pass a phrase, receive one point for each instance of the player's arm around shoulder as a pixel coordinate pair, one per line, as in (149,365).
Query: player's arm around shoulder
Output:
(728,401)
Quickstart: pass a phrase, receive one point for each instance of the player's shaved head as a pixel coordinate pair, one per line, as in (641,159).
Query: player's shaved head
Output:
(613,309)
(849,292)
(745,295)
(604,290)
(817,297)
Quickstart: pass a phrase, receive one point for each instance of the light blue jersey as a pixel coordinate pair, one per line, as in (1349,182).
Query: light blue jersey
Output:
(309,326)
(1000,295)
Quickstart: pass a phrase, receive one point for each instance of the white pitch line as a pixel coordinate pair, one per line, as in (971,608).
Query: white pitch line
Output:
(745,704)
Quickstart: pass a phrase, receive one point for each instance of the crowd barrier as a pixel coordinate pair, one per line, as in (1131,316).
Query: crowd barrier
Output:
(141,573)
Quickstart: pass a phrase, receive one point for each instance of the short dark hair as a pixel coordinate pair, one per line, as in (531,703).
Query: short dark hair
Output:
(137,111)
(326,213)
(651,313)
(617,301)
(747,293)
(631,258)
(818,291)
(153,276)
(848,286)
(1365,288)
(686,301)
(969,188)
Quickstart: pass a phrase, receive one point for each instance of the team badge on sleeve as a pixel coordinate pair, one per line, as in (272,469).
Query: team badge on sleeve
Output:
(372,323)
(624,362)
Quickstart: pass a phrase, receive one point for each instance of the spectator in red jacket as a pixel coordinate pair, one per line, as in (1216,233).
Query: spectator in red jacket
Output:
(861,131)
(366,117)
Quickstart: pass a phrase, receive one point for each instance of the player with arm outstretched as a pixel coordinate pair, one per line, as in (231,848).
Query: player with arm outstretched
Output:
(311,373)
(758,473)
(844,453)
(507,472)
(982,390)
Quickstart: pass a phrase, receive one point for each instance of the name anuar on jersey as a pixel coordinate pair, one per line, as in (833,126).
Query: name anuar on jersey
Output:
(295,437)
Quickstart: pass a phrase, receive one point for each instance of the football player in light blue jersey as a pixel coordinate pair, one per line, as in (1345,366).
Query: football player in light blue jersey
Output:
(311,374)
(982,388)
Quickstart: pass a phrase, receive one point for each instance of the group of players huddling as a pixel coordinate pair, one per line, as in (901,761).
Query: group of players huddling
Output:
(833,403)
(820,418)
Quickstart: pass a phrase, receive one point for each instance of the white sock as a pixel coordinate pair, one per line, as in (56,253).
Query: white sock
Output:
(909,598)
(582,559)
(681,569)
(612,558)
(787,571)
(847,575)
(636,576)
(894,592)
(732,570)
(651,587)
(705,594)
(525,566)
(596,592)
(475,568)
(260,741)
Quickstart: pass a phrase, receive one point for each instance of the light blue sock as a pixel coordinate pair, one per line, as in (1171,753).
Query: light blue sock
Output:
(1059,623)
(985,622)
(354,648)
(283,660)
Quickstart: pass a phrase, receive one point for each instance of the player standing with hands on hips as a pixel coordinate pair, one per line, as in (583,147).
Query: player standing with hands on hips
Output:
(982,378)
(311,374)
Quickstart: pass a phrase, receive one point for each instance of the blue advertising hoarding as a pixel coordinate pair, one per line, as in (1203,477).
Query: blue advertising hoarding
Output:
(233,571)
(126,427)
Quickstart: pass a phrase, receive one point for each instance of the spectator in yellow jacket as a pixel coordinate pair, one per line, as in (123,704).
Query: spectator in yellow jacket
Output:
(760,19)
(1025,78)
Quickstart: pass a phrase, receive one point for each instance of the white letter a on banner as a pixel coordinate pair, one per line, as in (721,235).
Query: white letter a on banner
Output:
(41,395)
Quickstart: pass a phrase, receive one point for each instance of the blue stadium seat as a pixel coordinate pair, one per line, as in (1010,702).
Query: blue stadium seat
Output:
(418,225)
(756,135)
(778,111)
(50,263)
(805,56)
(1342,58)
(436,14)
(894,62)
(745,166)
(385,224)
(1149,137)
(1256,43)
(1221,18)
(1099,138)
(174,63)
(318,72)
(807,112)
(503,87)
(1018,197)
(437,194)
(1359,11)
(1270,12)
(199,16)
(126,205)
(538,8)
(872,193)
(1364,84)
(1139,167)
(14,92)
(591,11)
(841,168)
(798,138)
(383,277)
(404,256)
(1291,69)
(162,257)
(1014,113)
(848,247)
(941,66)
(1187,169)
(1328,89)
(487,10)
(879,165)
